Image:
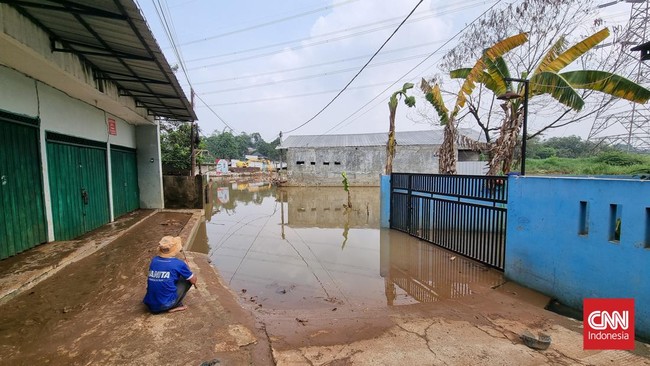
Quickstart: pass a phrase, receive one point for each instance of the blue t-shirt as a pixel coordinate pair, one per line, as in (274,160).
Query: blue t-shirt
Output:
(161,284)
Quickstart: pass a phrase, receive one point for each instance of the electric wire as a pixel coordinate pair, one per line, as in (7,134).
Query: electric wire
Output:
(358,73)
(414,67)
(538,84)
(315,65)
(312,76)
(258,100)
(170,33)
(261,25)
(429,15)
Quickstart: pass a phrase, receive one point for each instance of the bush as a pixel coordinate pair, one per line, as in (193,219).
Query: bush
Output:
(616,158)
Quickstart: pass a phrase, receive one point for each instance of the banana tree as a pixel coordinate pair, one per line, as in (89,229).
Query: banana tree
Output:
(447,151)
(547,79)
(392,108)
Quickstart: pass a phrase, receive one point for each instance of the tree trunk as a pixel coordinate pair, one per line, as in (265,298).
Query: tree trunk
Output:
(390,145)
(447,152)
(504,147)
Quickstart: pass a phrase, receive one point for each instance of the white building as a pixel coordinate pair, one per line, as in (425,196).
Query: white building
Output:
(80,89)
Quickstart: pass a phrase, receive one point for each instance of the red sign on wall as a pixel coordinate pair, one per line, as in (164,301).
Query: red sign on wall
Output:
(112,127)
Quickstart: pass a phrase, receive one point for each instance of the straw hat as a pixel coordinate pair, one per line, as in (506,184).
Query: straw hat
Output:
(169,246)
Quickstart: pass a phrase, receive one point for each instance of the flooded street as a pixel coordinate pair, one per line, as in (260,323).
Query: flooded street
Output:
(301,248)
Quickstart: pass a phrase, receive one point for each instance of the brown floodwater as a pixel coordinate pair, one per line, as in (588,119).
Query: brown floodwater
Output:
(301,248)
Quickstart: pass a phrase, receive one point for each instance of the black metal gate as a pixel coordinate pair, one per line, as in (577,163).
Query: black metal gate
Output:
(463,213)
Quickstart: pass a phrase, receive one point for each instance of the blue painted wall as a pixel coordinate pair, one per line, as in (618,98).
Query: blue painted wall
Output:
(384,201)
(546,252)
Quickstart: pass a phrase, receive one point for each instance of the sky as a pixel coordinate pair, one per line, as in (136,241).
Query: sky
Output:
(272,66)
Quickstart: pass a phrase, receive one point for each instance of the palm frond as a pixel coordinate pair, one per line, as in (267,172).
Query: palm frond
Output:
(425,86)
(502,47)
(608,83)
(475,74)
(577,50)
(434,96)
(460,73)
(498,71)
(486,79)
(559,88)
(551,55)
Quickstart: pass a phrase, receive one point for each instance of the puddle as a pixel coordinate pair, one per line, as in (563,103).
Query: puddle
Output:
(298,247)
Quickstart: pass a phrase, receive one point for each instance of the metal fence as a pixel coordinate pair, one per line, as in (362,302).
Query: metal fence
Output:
(465,214)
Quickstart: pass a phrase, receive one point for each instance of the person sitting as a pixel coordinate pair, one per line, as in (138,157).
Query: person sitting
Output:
(169,278)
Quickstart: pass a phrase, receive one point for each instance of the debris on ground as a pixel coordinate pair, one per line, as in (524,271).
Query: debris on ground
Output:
(539,343)
(301,321)
(211,363)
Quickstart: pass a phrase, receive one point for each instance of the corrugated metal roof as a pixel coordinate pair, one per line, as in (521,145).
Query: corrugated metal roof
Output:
(114,38)
(407,138)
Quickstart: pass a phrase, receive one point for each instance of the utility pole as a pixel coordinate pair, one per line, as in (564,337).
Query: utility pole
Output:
(192,138)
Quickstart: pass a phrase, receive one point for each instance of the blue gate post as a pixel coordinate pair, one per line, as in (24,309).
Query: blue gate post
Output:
(384,200)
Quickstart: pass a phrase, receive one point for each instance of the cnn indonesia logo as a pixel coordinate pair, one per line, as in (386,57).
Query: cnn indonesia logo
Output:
(608,324)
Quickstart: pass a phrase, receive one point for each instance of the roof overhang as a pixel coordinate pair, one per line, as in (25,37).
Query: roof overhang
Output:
(645,50)
(114,39)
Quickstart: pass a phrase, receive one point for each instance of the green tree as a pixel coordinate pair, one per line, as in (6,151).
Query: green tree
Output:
(175,145)
(547,79)
(223,146)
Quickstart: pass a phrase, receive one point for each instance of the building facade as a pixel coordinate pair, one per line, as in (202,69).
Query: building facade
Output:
(80,90)
(320,159)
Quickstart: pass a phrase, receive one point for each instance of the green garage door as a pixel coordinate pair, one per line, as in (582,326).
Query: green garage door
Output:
(78,185)
(22,214)
(124,172)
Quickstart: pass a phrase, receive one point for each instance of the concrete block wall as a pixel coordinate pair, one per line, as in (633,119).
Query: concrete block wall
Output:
(362,165)
(561,240)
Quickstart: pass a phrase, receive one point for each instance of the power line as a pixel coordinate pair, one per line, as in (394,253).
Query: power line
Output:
(358,73)
(413,68)
(215,113)
(315,65)
(245,29)
(305,77)
(317,43)
(169,32)
(258,100)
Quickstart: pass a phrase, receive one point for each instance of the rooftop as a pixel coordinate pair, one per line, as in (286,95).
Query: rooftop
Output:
(113,37)
(406,138)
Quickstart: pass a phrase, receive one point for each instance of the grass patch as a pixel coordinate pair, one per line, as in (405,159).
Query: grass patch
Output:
(610,163)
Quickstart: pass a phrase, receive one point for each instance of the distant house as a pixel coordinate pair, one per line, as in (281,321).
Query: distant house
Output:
(82,88)
(222,166)
(320,159)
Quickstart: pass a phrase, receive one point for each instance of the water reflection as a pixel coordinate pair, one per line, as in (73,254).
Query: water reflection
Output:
(299,247)
(416,271)
(324,207)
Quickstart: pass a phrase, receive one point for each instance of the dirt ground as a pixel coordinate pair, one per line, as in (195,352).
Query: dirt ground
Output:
(90,313)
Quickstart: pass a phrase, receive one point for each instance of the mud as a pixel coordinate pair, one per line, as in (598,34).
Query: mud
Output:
(91,312)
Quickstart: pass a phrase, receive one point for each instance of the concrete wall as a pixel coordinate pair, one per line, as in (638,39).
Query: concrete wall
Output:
(184,191)
(150,179)
(60,113)
(60,89)
(361,164)
(561,242)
